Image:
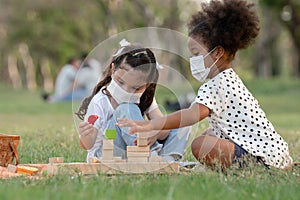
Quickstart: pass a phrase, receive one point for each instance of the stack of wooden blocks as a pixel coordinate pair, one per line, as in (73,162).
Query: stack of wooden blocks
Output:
(108,147)
(138,160)
(139,153)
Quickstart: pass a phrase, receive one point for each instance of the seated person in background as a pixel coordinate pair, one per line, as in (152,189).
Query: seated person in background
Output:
(89,74)
(66,86)
(93,64)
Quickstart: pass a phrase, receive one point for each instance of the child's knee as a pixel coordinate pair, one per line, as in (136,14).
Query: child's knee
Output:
(196,147)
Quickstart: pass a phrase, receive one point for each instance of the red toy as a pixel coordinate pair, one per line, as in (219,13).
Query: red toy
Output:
(92,119)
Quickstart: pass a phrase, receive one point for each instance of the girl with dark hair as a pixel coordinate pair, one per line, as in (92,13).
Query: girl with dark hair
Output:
(238,126)
(127,90)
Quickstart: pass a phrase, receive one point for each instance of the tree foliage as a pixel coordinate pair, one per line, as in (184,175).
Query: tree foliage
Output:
(54,30)
(288,12)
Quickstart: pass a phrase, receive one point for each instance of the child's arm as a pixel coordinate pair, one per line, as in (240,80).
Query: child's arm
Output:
(154,114)
(181,118)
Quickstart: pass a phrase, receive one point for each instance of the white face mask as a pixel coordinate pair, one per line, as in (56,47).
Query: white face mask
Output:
(198,69)
(122,96)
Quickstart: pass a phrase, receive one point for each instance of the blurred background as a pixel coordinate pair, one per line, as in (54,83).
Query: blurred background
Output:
(38,36)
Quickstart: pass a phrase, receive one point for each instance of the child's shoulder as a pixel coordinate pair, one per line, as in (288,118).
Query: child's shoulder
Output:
(100,97)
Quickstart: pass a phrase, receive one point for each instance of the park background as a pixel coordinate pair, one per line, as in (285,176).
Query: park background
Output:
(36,39)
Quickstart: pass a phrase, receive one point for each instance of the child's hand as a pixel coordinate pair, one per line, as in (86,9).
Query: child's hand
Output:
(85,129)
(152,137)
(87,135)
(135,126)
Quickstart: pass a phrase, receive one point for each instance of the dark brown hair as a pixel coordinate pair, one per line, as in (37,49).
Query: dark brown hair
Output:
(138,58)
(231,24)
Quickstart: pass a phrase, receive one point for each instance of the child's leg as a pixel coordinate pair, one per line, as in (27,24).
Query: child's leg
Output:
(213,150)
(130,111)
(174,145)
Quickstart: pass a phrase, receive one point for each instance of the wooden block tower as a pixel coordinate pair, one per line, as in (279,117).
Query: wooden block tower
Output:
(135,154)
(141,152)
(108,145)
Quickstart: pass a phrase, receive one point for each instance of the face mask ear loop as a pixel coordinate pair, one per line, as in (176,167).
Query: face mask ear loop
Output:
(209,52)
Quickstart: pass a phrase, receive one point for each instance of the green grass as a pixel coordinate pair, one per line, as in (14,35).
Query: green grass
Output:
(48,130)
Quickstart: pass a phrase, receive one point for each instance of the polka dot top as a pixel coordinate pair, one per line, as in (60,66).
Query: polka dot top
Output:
(236,116)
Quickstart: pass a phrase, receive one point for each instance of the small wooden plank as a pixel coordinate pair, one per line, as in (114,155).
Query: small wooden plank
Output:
(138,149)
(138,159)
(27,170)
(113,168)
(138,154)
(155,159)
(41,167)
(119,159)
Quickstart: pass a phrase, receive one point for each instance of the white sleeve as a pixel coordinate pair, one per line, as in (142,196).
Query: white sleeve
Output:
(152,107)
(95,109)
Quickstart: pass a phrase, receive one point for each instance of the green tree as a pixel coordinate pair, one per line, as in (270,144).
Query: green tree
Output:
(288,12)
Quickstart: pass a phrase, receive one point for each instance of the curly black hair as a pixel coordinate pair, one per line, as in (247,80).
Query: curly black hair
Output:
(232,24)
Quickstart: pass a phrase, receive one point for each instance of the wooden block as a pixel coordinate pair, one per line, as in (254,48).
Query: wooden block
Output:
(11,168)
(112,168)
(107,154)
(56,160)
(40,167)
(141,142)
(111,160)
(142,135)
(118,159)
(106,160)
(138,149)
(137,159)
(155,159)
(138,154)
(108,144)
(110,134)
(27,170)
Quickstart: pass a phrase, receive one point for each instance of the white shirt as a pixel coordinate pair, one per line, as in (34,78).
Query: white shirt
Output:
(236,116)
(65,80)
(100,105)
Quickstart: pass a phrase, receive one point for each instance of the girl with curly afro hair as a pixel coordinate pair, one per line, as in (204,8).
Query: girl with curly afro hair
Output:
(239,130)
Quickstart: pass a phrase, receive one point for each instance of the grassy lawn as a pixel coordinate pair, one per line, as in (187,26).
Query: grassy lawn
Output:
(48,130)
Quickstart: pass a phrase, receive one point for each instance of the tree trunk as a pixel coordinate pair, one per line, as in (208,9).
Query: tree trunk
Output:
(266,59)
(28,65)
(13,71)
(47,78)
